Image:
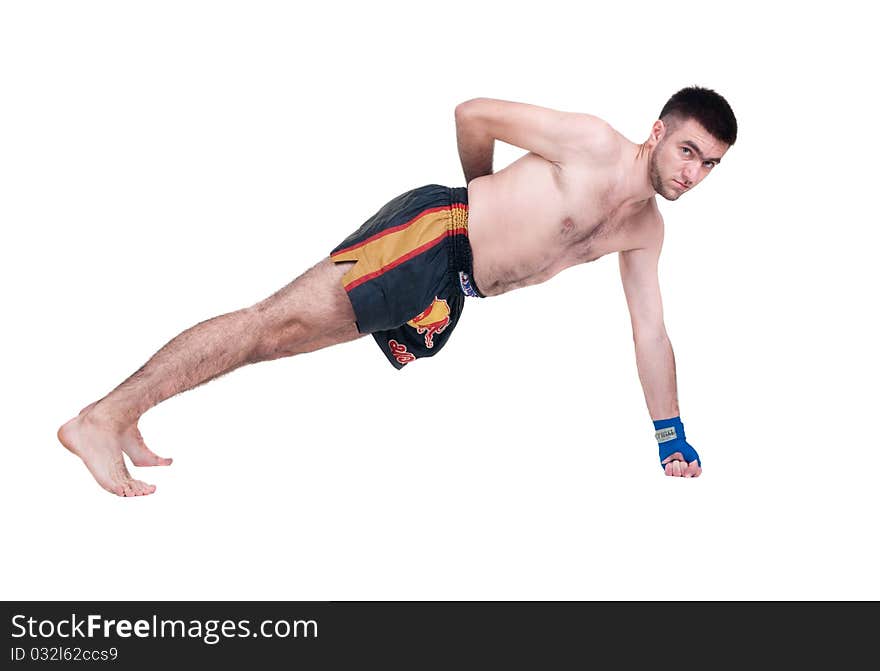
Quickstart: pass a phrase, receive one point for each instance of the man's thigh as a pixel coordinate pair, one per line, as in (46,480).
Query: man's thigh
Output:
(313,311)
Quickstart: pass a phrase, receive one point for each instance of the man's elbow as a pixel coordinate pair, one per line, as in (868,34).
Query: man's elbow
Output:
(466,109)
(649,334)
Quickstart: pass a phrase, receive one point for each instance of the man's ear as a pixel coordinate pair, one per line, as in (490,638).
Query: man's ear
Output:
(658,132)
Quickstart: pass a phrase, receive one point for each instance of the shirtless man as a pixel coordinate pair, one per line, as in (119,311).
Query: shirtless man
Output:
(582,191)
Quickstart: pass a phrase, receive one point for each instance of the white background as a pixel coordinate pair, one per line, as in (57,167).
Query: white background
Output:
(165,162)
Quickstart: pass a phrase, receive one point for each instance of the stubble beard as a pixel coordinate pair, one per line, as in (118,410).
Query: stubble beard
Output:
(657,181)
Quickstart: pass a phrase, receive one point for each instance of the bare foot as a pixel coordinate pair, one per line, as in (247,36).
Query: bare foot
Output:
(100,448)
(132,443)
(141,455)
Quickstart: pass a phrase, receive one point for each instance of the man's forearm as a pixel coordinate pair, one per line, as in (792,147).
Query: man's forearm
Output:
(475,148)
(656,364)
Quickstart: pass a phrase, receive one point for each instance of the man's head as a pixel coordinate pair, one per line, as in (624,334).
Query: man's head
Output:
(695,129)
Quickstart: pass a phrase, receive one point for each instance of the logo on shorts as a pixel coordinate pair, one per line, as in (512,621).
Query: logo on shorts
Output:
(434,319)
(398,350)
(465,281)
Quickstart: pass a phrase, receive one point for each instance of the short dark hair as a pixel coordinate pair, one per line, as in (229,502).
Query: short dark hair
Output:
(704,106)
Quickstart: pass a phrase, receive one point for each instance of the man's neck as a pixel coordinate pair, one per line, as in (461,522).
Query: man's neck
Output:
(634,188)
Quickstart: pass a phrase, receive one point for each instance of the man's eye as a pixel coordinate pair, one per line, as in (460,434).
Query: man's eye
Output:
(686,150)
(709,164)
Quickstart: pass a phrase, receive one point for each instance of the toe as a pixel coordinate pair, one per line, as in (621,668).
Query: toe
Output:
(144,488)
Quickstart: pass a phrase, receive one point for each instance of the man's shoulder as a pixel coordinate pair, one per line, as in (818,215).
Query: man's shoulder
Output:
(647,211)
(583,136)
(646,226)
(602,141)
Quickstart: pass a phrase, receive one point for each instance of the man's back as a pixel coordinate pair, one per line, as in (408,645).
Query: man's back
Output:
(542,214)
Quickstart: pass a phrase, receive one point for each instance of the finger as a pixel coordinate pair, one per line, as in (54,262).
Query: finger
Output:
(678,468)
(697,469)
(675,456)
(668,469)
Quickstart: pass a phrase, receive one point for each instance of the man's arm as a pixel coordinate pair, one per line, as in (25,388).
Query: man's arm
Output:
(556,136)
(654,357)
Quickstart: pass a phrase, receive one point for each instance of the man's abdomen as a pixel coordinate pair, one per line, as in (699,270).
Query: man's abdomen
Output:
(515,226)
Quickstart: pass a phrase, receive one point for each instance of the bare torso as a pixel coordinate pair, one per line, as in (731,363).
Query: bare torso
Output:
(534,218)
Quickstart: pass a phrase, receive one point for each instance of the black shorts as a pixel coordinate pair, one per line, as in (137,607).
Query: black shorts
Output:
(413,271)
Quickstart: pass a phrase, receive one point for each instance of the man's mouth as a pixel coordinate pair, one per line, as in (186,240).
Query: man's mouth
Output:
(680,184)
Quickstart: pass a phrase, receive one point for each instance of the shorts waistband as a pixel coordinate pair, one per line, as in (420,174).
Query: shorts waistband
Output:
(461,262)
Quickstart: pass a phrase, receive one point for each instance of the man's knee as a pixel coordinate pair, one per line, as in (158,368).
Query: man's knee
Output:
(311,312)
(277,335)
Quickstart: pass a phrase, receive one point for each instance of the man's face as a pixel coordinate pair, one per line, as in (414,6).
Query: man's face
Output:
(685,154)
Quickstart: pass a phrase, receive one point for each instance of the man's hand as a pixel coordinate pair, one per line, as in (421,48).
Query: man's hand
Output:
(677,457)
(676,466)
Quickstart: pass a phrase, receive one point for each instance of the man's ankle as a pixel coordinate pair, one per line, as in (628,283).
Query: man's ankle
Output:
(107,416)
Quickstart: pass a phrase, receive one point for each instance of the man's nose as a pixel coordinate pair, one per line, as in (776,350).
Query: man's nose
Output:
(690,175)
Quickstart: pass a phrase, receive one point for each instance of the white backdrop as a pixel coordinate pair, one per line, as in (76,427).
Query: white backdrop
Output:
(165,162)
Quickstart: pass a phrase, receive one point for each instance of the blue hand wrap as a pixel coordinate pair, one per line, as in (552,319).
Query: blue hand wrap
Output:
(670,436)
